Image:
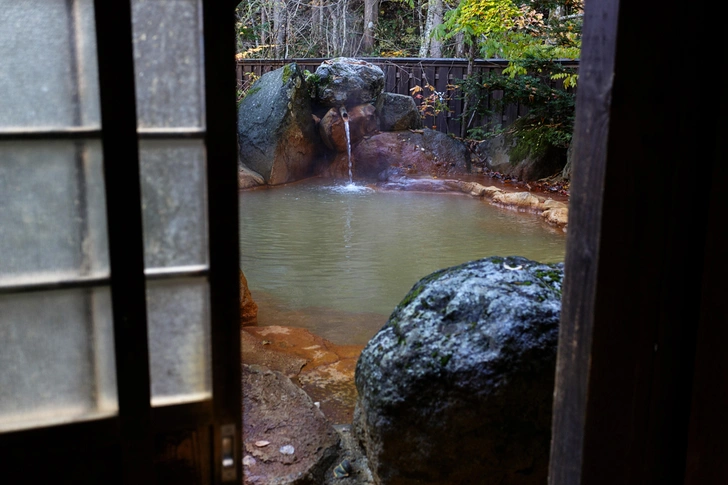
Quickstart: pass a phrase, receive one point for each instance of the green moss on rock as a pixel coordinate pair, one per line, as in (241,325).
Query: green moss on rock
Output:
(523,283)
(551,278)
(288,71)
(252,90)
(413,293)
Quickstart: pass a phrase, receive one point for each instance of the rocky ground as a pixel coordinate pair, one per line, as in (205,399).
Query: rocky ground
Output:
(325,371)
(298,404)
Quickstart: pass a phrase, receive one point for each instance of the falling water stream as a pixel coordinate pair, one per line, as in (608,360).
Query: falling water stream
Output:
(345,117)
(337,261)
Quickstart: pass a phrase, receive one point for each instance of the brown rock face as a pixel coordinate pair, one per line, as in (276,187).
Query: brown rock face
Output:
(248,178)
(558,216)
(362,122)
(256,351)
(322,369)
(523,200)
(286,438)
(248,308)
(423,152)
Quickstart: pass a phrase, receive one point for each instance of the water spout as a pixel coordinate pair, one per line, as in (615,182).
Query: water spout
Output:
(345,117)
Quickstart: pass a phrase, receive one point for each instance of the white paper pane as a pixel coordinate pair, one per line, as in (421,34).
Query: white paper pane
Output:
(168,63)
(179,340)
(48,69)
(174,203)
(56,358)
(53,211)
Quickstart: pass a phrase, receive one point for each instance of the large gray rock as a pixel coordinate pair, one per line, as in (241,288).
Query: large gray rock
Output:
(276,132)
(397,112)
(348,82)
(457,387)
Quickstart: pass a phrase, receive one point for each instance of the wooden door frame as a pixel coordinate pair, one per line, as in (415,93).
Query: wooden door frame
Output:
(126,250)
(127,440)
(121,162)
(644,273)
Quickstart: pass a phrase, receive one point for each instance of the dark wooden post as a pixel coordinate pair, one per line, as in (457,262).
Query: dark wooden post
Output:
(126,250)
(707,460)
(636,252)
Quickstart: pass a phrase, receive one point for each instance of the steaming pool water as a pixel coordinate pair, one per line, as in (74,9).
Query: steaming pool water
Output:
(337,261)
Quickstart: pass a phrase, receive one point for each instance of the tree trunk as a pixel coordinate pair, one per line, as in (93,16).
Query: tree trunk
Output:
(436,44)
(333,33)
(263,31)
(425,38)
(344,9)
(288,35)
(465,124)
(279,26)
(371,15)
(315,24)
(420,5)
(460,45)
(429,46)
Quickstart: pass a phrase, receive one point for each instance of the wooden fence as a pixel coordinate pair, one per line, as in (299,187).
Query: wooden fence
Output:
(403,74)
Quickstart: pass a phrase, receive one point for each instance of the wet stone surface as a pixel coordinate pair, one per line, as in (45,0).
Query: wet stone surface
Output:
(459,383)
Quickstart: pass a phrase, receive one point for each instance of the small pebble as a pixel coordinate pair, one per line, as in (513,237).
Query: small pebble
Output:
(248,460)
(287,450)
(343,469)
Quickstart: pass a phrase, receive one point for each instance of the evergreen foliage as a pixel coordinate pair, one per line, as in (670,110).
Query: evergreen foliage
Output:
(533,36)
(549,122)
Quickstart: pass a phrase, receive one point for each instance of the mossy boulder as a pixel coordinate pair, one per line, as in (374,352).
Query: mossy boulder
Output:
(457,386)
(276,131)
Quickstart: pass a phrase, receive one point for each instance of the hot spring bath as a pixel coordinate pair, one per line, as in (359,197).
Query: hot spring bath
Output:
(338,262)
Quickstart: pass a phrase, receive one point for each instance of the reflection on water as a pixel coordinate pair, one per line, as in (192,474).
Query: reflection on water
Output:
(337,262)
